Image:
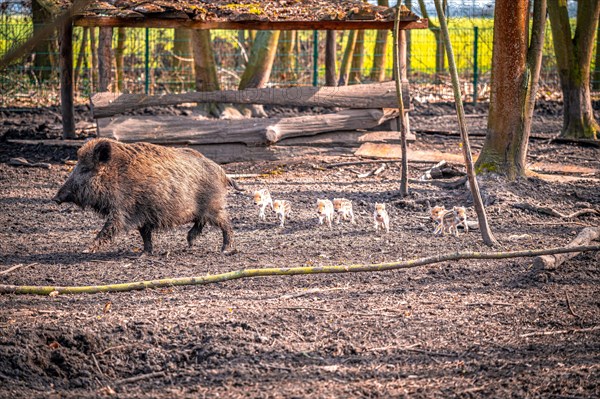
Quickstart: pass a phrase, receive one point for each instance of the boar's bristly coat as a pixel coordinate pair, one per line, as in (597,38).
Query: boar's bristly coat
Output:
(148,187)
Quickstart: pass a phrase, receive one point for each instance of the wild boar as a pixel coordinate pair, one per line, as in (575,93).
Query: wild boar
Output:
(148,187)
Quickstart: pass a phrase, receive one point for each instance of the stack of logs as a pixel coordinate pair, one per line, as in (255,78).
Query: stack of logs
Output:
(367,110)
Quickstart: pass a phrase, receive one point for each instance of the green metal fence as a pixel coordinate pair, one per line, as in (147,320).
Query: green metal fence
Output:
(159,61)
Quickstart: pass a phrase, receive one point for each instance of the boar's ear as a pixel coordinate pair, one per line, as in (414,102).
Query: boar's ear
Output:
(102,152)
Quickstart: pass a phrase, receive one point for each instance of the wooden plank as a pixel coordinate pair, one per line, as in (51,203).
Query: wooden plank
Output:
(344,139)
(377,95)
(66,80)
(90,21)
(257,132)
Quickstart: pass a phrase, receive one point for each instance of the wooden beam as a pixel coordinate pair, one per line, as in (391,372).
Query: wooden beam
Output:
(249,25)
(376,95)
(163,129)
(66,80)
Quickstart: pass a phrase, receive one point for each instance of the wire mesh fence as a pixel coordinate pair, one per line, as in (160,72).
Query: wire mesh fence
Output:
(158,61)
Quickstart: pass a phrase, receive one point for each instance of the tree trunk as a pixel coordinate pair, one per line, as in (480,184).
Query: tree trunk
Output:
(285,57)
(80,57)
(205,68)
(104,58)
(596,78)
(440,52)
(119,55)
(379,52)
(330,58)
(182,47)
(379,56)
(42,61)
(515,73)
(258,71)
(408,4)
(358,59)
(347,59)
(94,53)
(573,58)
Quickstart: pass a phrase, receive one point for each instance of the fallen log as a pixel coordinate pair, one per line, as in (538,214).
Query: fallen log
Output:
(163,129)
(285,271)
(553,212)
(376,95)
(552,261)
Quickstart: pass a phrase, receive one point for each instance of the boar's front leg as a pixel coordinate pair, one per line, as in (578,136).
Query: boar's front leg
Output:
(146,233)
(112,227)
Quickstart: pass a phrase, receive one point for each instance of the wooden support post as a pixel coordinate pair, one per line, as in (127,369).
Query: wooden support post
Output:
(404,75)
(66,80)
(330,58)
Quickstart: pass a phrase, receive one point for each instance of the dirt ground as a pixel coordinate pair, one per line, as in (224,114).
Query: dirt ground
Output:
(454,329)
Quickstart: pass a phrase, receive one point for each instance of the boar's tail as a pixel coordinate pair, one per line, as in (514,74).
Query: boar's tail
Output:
(233,184)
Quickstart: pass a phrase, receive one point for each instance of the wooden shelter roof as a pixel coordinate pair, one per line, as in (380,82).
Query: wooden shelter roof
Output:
(240,14)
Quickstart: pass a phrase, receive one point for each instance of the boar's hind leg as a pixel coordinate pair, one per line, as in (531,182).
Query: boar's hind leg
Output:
(146,233)
(221,220)
(195,231)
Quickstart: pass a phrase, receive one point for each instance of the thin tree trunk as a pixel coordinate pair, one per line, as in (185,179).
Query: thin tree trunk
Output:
(42,61)
(358,59)
(439,41)
(66,80)
(486,233)
(408,4)
(285,57)
(104,58)
(330,58)
(119,56)
(573,57)
(80,57)
(259,67)
(596,78)
(94,53)
(379,51)
(515,73)
(347,59)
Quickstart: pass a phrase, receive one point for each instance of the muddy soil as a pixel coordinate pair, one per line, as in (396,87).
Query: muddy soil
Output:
(453,329)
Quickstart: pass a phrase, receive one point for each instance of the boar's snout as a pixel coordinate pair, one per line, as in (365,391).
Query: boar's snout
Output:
(63,195)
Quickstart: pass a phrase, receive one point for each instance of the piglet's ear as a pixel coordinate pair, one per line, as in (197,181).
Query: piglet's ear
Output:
(102,151)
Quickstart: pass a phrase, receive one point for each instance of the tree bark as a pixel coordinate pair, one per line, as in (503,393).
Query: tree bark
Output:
(119,56)
(105,58)
(515,73)
(330,58)
(358,59)
(347,59)
(42,61)
(258,71)
(573,58)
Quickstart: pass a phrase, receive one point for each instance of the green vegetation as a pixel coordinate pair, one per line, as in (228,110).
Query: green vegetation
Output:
(165,76)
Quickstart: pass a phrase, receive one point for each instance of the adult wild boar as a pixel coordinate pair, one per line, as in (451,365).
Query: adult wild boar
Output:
(148,187)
